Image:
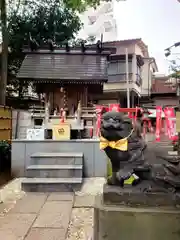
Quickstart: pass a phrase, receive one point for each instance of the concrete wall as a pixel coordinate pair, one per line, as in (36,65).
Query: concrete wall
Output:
(95,160)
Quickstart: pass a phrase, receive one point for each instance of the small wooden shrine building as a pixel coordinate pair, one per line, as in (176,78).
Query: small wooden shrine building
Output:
(66,76)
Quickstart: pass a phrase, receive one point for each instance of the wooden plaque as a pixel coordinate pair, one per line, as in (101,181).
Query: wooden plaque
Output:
(61,131)
(177,121)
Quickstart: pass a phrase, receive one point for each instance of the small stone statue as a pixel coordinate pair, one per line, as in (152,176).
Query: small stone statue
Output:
(128,154)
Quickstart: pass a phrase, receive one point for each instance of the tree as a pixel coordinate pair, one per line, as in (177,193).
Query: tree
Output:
(174,75)
(4,53)
(43,20)
(57,19)
(81,5)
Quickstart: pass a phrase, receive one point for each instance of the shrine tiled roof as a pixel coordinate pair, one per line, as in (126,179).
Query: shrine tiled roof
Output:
(63,67)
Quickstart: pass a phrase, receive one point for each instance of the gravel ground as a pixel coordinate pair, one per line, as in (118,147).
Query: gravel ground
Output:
(9,194)
(91,186)
(81,224)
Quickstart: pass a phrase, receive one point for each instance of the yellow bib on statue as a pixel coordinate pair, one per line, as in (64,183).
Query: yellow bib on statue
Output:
(121,144)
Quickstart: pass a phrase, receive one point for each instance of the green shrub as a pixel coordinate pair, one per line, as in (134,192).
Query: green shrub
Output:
(5,155)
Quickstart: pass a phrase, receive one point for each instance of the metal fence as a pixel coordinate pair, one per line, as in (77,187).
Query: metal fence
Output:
(5,123)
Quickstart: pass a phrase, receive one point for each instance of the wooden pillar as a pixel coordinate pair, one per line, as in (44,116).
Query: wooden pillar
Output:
(86,96)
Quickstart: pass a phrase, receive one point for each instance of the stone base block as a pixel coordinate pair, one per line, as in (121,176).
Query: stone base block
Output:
(134,196)
(128,223)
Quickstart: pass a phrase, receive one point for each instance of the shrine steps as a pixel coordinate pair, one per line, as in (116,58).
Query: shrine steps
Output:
(54,172)
(58,171)
(51,184)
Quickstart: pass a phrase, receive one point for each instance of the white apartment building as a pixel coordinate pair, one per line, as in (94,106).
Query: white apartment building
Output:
(99,21)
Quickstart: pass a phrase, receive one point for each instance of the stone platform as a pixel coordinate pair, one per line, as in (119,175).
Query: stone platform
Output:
(134,196)
(118,222)
(129,213)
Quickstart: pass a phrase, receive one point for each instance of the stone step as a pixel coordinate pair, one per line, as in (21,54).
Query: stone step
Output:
(57,158)
(54,171)
(51,184)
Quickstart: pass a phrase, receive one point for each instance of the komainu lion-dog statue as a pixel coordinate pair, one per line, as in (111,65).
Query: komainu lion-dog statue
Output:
(128,153)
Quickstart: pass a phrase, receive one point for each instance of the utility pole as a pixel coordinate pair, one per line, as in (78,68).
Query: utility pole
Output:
(127,78)
(4,53)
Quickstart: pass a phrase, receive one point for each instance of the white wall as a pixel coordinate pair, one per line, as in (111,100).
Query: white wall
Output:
(145,72)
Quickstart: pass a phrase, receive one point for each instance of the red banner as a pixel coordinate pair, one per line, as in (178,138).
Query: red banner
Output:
(158,122)
(98,121)
(170,122)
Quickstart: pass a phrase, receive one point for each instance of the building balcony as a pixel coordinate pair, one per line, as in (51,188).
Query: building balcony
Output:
(119,77)
(122,77)
(117,83)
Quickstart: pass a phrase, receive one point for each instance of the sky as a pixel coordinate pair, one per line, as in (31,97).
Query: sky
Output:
(155,21)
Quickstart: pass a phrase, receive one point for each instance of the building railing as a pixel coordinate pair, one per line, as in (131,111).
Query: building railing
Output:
(122,78)
(115,78)
(119,77)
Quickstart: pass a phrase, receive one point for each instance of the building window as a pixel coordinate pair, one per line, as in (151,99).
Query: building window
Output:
(118,67)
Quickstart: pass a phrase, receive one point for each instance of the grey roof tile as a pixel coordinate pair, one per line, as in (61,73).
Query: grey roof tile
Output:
(64,67)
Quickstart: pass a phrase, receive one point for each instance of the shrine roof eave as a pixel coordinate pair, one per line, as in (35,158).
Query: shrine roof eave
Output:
(64,81)
(73,51)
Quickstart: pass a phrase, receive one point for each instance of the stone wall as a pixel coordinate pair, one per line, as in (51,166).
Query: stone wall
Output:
(21,121)
(95,160)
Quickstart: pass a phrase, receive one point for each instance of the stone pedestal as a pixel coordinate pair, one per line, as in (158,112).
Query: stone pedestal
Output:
(114,221)
(135,196)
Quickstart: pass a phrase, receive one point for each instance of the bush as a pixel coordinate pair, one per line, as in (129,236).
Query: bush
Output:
(5,156)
